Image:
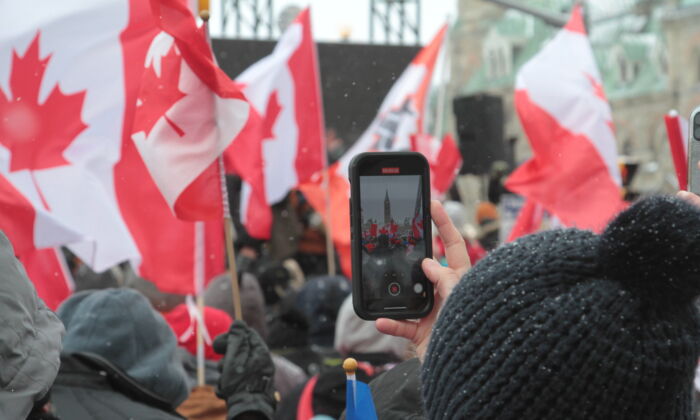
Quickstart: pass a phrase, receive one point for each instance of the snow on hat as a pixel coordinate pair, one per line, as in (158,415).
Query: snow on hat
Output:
(567,324)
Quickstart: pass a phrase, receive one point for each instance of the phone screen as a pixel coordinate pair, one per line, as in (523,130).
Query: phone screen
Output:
(392,242)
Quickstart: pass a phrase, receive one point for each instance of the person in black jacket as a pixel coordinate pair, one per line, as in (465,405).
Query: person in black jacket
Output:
(119,359)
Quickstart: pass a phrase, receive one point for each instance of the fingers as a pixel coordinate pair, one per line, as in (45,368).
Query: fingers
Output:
(455,249)
(220,343)
(405,329)
(444,278)
(689,197)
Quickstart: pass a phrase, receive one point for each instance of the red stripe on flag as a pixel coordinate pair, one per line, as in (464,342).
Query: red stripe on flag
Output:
(567,175)
(446,166)
(17,217)
(308,105)
(427,57)
(576,23)
(529,220)
(206,192)
(676,140)
(339,191)
(47,270)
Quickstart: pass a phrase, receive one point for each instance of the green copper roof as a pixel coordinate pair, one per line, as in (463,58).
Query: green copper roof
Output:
(627,49)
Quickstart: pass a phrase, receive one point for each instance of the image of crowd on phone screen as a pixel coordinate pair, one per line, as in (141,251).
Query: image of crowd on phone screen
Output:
(392,234)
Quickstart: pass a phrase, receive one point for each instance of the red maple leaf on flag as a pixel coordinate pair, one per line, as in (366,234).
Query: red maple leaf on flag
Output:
(37,134)
(271,113)
(159,93)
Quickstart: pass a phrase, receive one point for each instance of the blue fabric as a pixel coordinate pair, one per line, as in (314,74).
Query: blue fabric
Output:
(358,403)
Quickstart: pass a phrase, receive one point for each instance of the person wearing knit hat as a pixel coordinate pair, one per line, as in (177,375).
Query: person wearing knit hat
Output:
(567,324)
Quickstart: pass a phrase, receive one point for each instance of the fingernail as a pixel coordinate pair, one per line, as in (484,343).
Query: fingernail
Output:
(430,264)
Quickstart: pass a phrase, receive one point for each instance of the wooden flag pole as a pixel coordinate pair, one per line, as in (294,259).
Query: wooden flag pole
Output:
(330,251)
(200,341)
(233,271)
(228,223)
(228,237)
(230,251)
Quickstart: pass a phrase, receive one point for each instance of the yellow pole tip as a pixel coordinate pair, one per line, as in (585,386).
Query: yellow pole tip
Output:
(350,365)
(204,15)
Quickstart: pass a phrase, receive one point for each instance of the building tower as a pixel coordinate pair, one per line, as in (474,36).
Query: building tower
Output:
(387,209)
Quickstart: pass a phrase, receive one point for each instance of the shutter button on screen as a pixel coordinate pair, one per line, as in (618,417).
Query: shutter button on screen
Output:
(394,289)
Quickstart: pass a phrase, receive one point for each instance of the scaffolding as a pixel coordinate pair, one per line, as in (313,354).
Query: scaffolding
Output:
(398,20)
(251,19)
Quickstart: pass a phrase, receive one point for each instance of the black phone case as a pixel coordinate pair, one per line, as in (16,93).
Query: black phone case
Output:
(355,234)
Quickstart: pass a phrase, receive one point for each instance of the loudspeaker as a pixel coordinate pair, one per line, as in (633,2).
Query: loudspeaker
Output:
(480,130)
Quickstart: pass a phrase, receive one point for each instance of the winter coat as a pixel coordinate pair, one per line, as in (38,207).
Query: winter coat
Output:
(89,387)
(126,359)
(30,339)
(354,335)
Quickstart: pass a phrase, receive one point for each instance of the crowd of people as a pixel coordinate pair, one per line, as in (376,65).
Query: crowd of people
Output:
(563,324)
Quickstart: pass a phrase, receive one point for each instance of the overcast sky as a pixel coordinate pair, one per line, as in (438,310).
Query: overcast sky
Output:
(403,190)
(331,17)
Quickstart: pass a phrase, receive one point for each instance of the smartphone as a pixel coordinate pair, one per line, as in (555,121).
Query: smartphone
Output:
(694,151)
(391,235)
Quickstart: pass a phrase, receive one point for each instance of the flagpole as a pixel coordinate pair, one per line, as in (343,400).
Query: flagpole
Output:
(330,250)
(228,223)
(203,6)
(442,94)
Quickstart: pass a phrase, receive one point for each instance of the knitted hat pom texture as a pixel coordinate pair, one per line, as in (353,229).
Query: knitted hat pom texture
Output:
(567,324)
(653,248)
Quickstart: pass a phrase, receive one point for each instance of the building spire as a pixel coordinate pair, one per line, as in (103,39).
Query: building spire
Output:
(387,208)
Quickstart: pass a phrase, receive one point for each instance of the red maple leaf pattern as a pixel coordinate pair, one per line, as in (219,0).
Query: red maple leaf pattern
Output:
(272,111)
(37,134)
(159,93)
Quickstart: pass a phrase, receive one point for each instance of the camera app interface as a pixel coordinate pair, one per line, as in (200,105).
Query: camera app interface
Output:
(393,245)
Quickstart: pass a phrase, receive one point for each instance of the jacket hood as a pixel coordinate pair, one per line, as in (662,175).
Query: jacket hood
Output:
(319,300)
(218,295)
(120,326)
(355,335)
(30,339)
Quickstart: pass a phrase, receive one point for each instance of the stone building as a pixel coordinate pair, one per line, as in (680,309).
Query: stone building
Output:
(648,52)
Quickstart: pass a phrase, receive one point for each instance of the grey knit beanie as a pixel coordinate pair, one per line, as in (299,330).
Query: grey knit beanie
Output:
(567,324)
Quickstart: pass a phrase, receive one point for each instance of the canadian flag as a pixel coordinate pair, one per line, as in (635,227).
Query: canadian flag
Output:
(444,159)
(399,120)
(30,228)
(178,256)
(560,101)
(188,112)
(60,117)
(677,131)
(48,270)
(284,92)
(529,220)
(69,80)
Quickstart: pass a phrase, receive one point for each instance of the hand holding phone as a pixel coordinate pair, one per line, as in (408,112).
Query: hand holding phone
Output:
(390,226)
(444,279)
